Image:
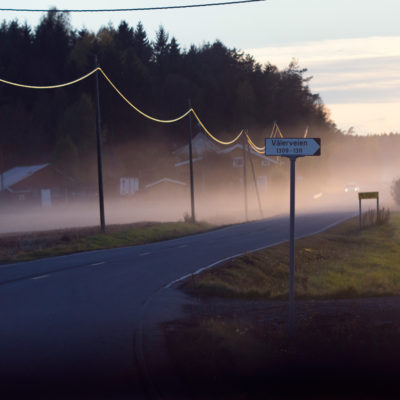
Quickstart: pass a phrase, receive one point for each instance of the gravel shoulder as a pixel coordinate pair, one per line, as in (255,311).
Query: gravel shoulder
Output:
(240,349)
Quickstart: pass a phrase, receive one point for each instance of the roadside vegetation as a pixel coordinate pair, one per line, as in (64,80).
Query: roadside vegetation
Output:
(342,262)
(345,345)
(30,246)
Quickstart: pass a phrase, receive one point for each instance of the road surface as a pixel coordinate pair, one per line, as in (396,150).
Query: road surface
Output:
(72,320)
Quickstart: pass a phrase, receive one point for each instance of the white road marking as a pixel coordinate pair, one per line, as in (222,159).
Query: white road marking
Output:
(40,277)
(182,278)
(144,254)
(99,263)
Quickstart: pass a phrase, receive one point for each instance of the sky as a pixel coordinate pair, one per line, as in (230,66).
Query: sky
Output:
(351,48)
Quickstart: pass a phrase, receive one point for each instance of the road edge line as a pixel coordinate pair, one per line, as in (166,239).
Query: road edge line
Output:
(186,276)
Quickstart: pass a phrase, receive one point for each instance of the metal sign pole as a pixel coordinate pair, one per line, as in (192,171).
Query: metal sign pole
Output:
(292,148)
(377,209)
(292,229)
(365,196)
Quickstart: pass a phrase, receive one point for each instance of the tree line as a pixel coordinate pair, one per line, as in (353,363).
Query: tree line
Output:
(228,89)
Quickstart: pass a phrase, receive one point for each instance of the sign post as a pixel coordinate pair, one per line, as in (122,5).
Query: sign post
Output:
(365,196)
(292,148)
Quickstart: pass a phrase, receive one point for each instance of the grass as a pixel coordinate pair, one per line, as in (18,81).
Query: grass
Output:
(225,349)
(335,356)
(30,246)
(343,262)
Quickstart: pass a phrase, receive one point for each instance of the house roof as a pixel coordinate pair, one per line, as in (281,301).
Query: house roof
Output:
(18,174)
(200,145)
(174,181)
(179,164)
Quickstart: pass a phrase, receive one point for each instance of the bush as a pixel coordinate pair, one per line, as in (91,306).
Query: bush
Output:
(187,217)
(384,216)
(396,191)
(370,218)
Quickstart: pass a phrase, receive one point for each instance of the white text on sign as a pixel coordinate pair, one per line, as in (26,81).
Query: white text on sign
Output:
(293,147)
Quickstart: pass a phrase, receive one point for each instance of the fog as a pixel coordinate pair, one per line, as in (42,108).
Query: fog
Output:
(215,207)
(219,189)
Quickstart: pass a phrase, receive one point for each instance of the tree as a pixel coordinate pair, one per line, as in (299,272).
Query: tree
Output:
(52,43)
(65,157)
(77,123)
(228,89)
(142,45)
(160,46)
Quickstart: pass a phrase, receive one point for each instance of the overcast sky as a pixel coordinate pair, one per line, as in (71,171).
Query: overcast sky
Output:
(350,47)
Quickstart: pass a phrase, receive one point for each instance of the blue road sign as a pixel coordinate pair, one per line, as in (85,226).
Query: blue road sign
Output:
(293,147)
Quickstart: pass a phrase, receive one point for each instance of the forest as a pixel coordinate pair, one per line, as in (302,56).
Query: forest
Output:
(228,89)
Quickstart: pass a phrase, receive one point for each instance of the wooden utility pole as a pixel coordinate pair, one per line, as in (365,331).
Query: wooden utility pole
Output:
(191,165)
(246,212)
(99,151)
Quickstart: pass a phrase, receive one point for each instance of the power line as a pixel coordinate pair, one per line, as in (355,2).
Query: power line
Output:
(226,3)
(163,121)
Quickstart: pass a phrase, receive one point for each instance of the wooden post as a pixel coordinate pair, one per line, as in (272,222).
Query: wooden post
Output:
(99,151)
(246,213)
(193,216)
(377,210)
(255,182)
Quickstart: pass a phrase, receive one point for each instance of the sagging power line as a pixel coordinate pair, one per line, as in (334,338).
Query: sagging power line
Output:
(164,121)
(242,134)
(225,3)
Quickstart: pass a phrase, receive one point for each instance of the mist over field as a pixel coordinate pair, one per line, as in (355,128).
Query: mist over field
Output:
(219,191)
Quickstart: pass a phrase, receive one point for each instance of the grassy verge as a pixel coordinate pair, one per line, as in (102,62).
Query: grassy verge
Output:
(35,245)
(225,349)
(343,262)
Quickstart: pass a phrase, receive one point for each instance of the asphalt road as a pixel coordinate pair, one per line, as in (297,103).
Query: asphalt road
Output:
(72,320)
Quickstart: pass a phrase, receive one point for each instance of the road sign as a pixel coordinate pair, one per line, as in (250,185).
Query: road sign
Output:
(368,195)
(365,196)
(293,147)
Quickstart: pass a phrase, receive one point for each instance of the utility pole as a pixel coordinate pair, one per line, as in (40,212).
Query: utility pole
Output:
(2,173)
(191,165)
(245,177)
(99,151)
(255,183)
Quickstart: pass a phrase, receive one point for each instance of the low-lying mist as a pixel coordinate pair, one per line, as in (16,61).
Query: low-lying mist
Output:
(215,207)
(323,184)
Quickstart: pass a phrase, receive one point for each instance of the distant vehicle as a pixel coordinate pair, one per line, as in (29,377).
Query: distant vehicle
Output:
(351,187)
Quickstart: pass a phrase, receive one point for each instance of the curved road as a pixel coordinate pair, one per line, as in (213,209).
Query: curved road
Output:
(71,320)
